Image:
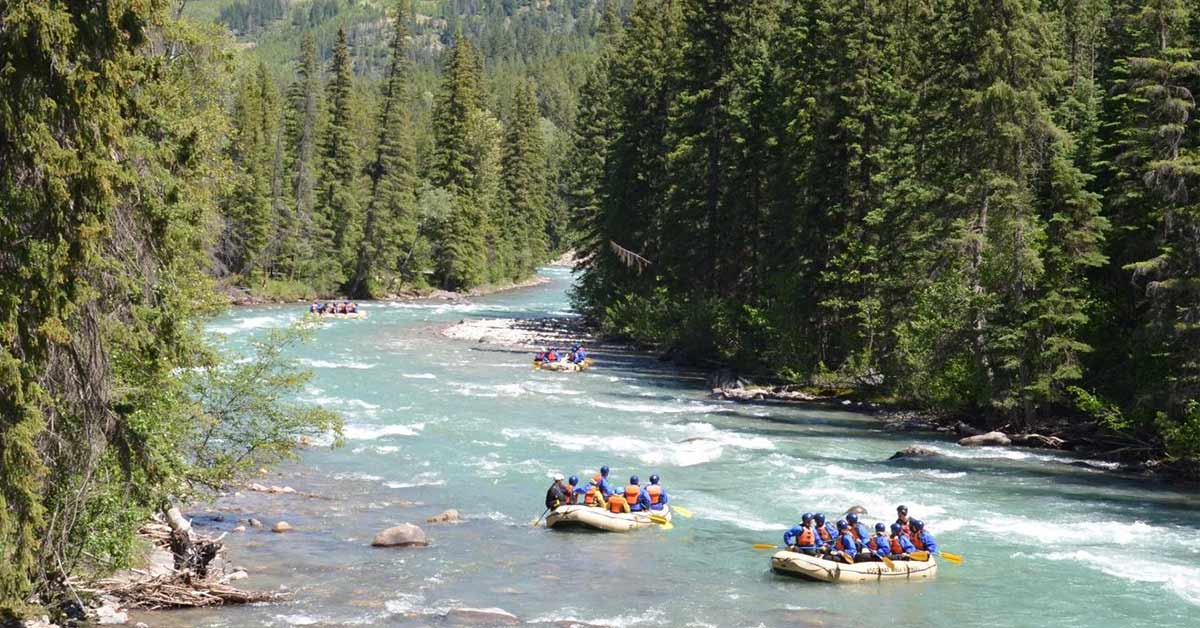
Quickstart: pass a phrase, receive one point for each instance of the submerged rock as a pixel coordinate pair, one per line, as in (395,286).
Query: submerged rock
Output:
(254,523)
(915,451)
(991,439)
(240,529)
(450,516)
(403,535)
(482,617)
(282,526)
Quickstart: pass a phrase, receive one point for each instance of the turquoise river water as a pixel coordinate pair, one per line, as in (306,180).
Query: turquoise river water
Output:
(435,423)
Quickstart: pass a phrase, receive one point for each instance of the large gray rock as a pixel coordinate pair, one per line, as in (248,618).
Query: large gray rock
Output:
(991,439)
(403,535)
(858,510)
(915,451)
(282,526)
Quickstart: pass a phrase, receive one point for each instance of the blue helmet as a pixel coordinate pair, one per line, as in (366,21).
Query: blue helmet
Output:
(896,528)
(654,479)
(852,518)
(917,524)
(842,525)
(633,479)
(879,527)
(820,518)
(573,480)
(808,516)
(604,471)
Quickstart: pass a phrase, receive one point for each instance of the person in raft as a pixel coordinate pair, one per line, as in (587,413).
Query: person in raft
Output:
(845,548)
(573,492)
(826,533)
(878,545)
(899,546)
(858,530)
(593,496)
(802,537)
(656,494)
(921,538)
(636,496)
(578,354)
(902,519)
(601,481)
(556,495)
(618,504)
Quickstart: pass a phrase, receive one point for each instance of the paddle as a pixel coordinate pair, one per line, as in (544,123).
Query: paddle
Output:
(662,521)
(681,510)
(762,546)
(539,519)
(954,558)
(887,561)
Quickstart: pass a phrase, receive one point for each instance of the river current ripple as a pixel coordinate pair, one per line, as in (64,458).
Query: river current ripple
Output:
(434,423)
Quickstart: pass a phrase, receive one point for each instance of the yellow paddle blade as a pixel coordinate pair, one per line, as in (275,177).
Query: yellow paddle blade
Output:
(536,522)
(887,561)
(659,519)
(954,558)
(683,511)
(763,546)
(919,555)
(667,526)
(849,558)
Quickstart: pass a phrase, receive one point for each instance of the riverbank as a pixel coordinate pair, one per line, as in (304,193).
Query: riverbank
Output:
(241,296)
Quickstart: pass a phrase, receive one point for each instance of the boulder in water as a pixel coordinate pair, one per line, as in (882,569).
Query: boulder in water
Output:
(724,379)
(481,617)
(450,516)
(916,451)
(403,535)
(282,526)
(858,510)
(991,439)
(254,523)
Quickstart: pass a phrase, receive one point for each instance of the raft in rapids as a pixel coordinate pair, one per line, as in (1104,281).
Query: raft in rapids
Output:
(579,516)
(324,316)
(821,570)
(563,365)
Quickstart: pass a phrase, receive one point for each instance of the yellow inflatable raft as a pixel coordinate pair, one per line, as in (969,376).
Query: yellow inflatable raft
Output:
(563,365)
(821,570)
(602,519)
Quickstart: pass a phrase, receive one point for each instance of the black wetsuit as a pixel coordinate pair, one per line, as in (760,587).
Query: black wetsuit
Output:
(555,496)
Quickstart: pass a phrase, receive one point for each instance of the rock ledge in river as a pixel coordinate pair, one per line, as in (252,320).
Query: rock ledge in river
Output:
(403,535)
(991,439)
(915,451)
(450,516)
(482,617)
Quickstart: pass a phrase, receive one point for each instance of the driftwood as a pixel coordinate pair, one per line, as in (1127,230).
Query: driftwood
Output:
(171,591)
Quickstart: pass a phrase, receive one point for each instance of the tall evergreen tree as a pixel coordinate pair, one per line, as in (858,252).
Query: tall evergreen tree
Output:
(390,225)
(251,209)
(525,189)
(338,189)
(304,224)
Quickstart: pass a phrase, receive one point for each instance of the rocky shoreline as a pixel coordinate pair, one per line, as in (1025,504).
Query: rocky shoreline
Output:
(241,297)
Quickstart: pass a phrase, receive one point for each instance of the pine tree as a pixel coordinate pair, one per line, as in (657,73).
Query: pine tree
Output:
(526,193)
(303,223)
(251,210)
(390,225)
(338,182)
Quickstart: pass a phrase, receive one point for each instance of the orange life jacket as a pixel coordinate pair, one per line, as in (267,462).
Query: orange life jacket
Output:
(806,538)
(616,503)
(592,498)
(655,493)
(632,492)
(854,533)
(570,498)
(821,530)
(896,547)
(874,542)
(904,529)
(839,544)
(597,478)
(917,542)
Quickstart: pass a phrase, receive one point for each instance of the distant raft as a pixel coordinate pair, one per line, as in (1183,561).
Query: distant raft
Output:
(821,570)
(578,516)
(563,365)
(354,315)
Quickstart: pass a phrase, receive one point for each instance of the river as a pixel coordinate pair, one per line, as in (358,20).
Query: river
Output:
(434,423)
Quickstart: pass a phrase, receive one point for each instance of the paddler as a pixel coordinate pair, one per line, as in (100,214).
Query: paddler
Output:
(845,547)
(572,490)
(879,545)
(556,495)
(902,519)
(656,493)
(578,355)
(617,503)
(593,496)
(898,545)
(858,530)
(636,496)
(601,480)
(826,533)
(921,538)
(802,537)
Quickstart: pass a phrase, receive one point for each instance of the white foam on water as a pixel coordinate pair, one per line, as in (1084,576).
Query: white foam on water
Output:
(664,451)
(383,450)
(405,603)
(568,615)
(431,478)
(675,407)
(298,620)
(880,505)
(355,475)
(1035,532)
(251,322)
(938,526)
(739,519)
(851,474)
(418,375)
(323,400)
(489,391)
(943,475)
(372,432)
(1182,580)
(323,364)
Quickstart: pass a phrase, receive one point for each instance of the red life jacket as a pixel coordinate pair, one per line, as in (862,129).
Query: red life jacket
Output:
(904,529)
(570,498)
(839,545)
(854,533)
(806,538)
(896,547)
(824,533)
(655,493)
(632,492)
(592,498)
(617,504)
(917,542)
(873,542)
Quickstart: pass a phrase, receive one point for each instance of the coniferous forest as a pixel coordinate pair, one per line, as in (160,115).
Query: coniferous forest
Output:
(984,208)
